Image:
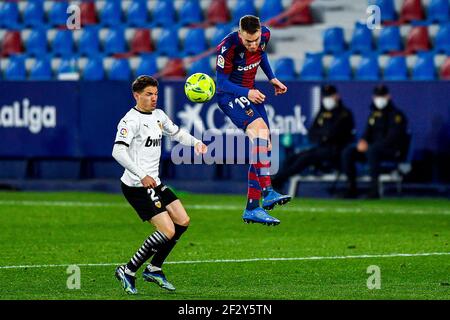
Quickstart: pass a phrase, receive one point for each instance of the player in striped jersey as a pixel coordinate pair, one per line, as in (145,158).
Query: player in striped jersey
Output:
(238,57)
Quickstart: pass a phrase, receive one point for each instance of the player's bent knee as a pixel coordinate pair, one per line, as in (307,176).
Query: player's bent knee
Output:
(169,232)
(185,221)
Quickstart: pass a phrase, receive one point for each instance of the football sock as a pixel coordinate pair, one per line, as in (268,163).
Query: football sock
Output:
(253,189)
(261,162)
(160,256)
(151,245)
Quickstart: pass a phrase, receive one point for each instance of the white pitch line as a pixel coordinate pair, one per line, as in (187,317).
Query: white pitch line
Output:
(364,256)
(299,208)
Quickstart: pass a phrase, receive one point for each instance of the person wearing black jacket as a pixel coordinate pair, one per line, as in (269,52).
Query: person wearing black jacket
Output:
(385,139)
(330,132)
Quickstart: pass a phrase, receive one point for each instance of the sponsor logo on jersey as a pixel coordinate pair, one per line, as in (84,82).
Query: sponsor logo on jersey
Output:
(160,124)
(158,204)
(241,55)
(249,112)
(153,142)
(249,67)
(221,61)
(29,116)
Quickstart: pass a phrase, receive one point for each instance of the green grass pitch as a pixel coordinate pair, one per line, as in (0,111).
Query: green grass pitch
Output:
(321,250)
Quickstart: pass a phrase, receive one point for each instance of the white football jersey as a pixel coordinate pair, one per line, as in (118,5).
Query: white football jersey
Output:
(142,133)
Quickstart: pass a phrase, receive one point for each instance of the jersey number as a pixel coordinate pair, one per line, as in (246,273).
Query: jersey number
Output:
(241,101)
(153,195)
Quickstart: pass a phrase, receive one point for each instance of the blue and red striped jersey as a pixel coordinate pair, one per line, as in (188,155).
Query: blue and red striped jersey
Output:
(236,67)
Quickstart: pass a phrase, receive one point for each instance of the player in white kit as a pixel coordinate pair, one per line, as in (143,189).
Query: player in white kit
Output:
(137,148)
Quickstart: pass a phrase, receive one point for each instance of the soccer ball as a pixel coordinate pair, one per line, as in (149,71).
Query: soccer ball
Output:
(199,87)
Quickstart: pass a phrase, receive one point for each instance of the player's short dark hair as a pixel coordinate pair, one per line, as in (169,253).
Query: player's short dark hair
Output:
(249,24)
(143,82)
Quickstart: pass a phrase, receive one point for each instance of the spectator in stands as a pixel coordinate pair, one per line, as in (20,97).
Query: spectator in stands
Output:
(331,131)
(385,139)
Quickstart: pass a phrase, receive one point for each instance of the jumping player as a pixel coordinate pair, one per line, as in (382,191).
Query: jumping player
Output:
(238,57)
(137,148)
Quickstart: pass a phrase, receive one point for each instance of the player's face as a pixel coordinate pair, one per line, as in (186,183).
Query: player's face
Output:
(250,41)
(147,98)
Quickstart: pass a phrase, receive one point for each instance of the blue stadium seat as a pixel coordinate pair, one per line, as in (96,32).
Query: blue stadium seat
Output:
(111,14)
(270,9)
(190,13)
(36,44)
(285,69)
(67,65)
(340,68)
(167,43)
(424,68)
(438,11)
(9,15)
(396,69)
(390,39)
(57,15)
(15,70)
(33,14)
(442,39)
(114,41)
(41,70)
(163,14)
(13,169)
(120,70)
(201,65)
(387,7)
(195,42)
(221,32)
(147,65)
(137,13)
(242,8)
(63,44)
(333,40)
(361,39)
(93,70)
(312,68)
(368,68)
(89,42)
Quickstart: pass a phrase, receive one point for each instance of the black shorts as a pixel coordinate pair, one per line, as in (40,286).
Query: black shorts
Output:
(149,202)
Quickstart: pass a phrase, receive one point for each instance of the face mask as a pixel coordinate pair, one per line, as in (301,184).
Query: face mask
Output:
(380,102)
(329,103)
